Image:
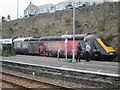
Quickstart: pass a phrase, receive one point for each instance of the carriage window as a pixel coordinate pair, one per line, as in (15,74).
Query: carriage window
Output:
(24,45)
(18,44)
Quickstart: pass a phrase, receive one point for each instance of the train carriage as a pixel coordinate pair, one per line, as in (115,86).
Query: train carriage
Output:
(21,45)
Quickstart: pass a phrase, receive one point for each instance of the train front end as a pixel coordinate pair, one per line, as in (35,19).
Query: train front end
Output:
(101,49)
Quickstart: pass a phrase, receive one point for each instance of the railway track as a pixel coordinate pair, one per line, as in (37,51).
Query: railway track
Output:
(27,83)
(12,85)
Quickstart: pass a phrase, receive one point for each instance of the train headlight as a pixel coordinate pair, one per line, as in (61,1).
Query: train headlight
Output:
(111,53)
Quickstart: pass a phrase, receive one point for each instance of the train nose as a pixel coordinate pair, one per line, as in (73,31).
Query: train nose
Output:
(113,54)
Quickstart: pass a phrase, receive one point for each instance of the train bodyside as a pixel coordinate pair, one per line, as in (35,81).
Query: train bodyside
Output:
(34,44)
(100,49)
(51,45)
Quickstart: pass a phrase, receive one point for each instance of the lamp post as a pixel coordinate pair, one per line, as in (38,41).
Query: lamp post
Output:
(1,28)
(17,8)
(73,48)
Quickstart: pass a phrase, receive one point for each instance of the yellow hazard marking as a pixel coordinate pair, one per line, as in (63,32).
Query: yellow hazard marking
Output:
(107,49)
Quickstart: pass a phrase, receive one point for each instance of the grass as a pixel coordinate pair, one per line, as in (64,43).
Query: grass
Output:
(6,53)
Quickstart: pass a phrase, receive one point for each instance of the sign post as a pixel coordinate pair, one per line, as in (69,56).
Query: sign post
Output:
(58,54)
(66,41)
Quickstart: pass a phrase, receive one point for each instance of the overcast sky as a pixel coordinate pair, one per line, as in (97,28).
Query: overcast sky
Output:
(9,7)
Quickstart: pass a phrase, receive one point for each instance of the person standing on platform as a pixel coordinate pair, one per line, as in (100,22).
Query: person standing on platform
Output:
(88,48)
(78,50)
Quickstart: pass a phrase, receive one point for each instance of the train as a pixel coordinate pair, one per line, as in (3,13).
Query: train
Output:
(54,45)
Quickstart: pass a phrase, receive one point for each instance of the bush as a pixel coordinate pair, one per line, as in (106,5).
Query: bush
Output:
(7,50)
(7,53)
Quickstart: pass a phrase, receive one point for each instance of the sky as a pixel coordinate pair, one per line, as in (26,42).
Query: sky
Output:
(9,7)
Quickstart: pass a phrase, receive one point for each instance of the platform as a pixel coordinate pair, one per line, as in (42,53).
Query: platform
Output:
(96,67)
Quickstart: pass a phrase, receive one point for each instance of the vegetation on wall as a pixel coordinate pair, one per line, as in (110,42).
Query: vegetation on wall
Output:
(34,28)
(68,21)
(15,24)
(3,19)
(94,32)
(109,37)
(101,26)
(31,14)
(115,17)
(77,24)
(10,30)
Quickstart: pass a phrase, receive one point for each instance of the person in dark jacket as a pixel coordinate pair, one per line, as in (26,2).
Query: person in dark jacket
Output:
(78,50)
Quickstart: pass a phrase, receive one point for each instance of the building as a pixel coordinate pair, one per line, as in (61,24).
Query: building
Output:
(30,10)
(45,8)
(62,6)
(34,10)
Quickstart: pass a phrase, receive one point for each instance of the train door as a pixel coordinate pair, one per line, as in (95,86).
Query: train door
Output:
(36,48)
(25,47)
(31,47)
(18,46)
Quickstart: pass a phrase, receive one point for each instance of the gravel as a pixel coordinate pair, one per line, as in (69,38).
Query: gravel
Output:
(49,80)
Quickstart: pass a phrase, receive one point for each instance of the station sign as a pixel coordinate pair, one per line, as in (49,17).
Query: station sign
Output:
(66,36)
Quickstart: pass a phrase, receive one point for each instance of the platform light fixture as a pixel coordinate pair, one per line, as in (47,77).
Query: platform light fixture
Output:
(73,46)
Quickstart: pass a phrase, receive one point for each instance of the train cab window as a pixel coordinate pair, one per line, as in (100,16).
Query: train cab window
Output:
(105,42)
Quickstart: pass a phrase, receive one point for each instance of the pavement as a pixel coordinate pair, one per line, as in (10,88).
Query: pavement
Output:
(96,67)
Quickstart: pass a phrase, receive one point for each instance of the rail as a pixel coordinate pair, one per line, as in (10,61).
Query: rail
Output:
(28,83)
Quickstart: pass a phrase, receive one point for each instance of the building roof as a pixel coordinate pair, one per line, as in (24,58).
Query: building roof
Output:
(31,7)
(45,6)
(64,3)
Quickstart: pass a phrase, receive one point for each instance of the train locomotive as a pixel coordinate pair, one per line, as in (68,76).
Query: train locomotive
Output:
(49,46)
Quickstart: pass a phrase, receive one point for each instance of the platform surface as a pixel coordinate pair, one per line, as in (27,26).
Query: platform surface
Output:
(103,67)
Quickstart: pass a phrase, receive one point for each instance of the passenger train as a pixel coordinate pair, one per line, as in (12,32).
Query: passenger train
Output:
(50,45)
